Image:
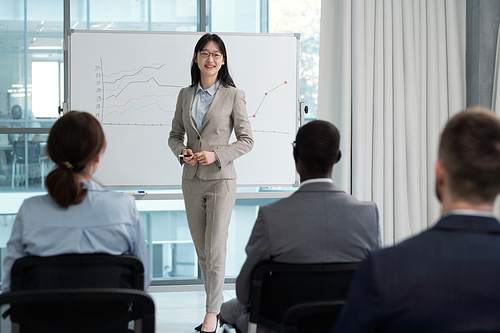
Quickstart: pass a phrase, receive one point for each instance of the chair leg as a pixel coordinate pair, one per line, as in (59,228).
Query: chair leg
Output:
(16,173)
(42,171)
(13,172)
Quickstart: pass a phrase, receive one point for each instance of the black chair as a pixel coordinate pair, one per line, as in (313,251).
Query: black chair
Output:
(298,297)
(79,293)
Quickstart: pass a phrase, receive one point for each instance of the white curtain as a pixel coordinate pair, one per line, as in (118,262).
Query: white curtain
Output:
(495,102)
(391,74)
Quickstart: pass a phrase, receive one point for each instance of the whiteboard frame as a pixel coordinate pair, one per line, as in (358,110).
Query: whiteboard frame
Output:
(67,78)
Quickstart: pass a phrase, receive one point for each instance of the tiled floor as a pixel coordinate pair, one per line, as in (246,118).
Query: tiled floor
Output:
(181,311)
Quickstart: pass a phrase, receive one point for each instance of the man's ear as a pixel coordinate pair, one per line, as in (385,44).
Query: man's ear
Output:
(440,170)
(338,157)
(295,155)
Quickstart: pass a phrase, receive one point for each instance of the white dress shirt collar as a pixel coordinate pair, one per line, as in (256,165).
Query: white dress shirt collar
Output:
(470,212)
(316,180)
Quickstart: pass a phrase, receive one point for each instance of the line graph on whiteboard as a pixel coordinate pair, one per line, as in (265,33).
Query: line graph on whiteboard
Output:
(135,96)
(142,96)
(255,114)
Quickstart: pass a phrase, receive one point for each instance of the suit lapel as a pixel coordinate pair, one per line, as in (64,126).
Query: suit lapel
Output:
(216,102)
(189,105)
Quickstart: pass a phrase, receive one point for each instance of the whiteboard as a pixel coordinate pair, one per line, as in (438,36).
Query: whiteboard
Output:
(130,81)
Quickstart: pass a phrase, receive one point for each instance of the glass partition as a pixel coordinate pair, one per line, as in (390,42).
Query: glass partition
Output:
(30,88)
(171,250)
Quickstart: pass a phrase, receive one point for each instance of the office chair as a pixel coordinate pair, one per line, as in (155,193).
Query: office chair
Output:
(79,293)
(298,297)
(19,160)
(317,316)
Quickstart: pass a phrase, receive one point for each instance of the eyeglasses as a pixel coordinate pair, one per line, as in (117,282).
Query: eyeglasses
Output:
(293,144)
(215,55)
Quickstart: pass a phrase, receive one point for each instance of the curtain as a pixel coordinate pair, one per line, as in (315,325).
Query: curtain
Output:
(495,105)
(391,74)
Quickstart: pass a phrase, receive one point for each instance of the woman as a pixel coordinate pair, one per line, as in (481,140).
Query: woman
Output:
(77,215)
(207,112)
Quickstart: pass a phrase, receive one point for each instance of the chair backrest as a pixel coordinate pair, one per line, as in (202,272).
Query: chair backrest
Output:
(34,150)
(76,274)
(77,271)
(142,305)
(311,317)
(278,287)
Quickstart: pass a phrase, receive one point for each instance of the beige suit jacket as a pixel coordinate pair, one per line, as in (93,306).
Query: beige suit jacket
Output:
(227,112)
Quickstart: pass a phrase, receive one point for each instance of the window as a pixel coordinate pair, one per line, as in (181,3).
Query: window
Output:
(31,40)
(301,16)
(32,80)
(45,88)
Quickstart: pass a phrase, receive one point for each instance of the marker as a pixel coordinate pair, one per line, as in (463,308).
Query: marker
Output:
(136,192)
(185,155)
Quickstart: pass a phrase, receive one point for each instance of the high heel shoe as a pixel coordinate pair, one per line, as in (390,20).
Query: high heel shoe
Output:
(216,325)
(198,328)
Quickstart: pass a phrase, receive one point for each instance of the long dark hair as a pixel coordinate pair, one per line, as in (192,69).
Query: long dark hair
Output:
(223,76)
(74,140)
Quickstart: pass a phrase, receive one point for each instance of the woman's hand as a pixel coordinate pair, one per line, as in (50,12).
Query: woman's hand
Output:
(205,157)
(189,160)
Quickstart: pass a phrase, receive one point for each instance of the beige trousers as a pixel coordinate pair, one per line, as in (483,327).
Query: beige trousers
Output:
(209,204)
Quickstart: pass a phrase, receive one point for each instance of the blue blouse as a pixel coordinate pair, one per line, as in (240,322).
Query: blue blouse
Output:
(104,222)
(201,103)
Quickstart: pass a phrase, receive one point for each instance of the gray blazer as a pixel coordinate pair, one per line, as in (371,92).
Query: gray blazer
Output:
(227,112)
(318,223)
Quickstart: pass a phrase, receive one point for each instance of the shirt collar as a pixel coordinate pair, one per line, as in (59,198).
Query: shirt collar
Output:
(316,180)
(470,212)
(92,185)
(211,91)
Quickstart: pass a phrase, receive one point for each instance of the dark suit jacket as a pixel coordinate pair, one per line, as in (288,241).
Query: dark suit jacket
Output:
(318,223)
(227,112)
(446,279)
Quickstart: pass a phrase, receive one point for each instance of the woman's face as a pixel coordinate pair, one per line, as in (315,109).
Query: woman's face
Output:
(209,60)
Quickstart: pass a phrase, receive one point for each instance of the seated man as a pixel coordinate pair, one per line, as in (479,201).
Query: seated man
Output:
(18,142)
(319,223)
(447,278)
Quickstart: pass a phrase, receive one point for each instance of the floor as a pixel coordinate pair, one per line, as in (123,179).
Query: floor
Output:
(180,311)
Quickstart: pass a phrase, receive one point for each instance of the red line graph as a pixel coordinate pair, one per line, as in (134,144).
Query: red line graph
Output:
(265,95)
(139,98)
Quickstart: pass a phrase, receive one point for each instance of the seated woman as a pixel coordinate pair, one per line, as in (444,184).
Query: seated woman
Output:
(77,215)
